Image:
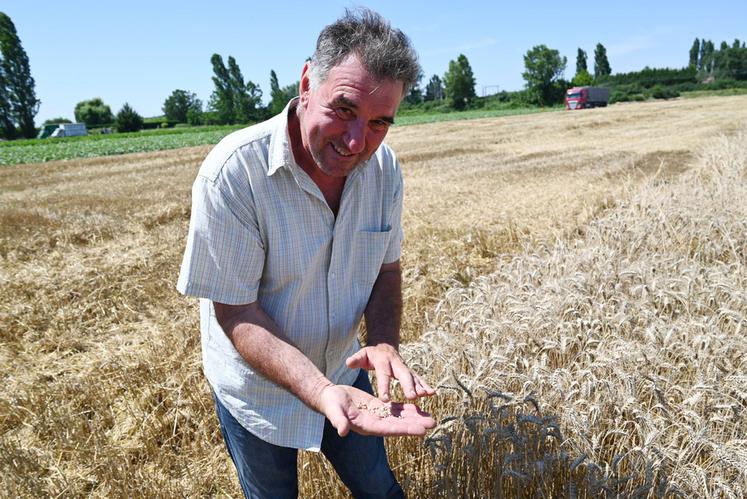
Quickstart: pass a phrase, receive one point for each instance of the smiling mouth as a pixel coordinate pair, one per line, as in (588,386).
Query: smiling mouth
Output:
(338,151)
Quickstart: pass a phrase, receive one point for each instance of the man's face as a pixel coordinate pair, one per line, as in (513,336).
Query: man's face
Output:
(345,119)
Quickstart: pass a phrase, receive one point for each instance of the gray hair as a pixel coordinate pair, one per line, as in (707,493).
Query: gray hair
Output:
(385,52)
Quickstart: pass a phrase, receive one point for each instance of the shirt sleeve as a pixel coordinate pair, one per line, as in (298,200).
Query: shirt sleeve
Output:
(225,256)
(394,251)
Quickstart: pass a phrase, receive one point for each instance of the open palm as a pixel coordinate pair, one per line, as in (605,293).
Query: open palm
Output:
(349,408)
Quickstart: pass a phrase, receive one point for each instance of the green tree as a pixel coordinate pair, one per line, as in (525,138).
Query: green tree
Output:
(221,100)
(415,95)
(233,101)
(544,67)
(93,112)
(435,89)
(128,120)
(707,57)
(276,96)
(459,83)
(7,125)
(18,102)
(178,105)
(581,66)
(280,95)
(701,54)
(582,79)
(694,53)
(54,121)
(247,96)
(601,63)
(252,103)
(242,109)
(195,116)
(730,63)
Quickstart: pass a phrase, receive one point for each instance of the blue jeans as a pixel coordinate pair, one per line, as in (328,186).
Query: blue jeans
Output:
(269,471)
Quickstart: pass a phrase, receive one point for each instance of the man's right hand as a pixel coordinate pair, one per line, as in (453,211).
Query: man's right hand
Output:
(349,408)
(260,342)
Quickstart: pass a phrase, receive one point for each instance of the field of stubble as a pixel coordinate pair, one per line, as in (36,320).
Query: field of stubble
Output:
(574,283)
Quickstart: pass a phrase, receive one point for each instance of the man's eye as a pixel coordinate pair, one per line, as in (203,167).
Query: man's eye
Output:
(379,125)
(344,112)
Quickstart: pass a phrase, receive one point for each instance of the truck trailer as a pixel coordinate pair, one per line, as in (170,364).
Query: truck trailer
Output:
(586,97)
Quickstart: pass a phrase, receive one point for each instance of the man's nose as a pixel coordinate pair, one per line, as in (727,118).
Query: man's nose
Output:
(355,136)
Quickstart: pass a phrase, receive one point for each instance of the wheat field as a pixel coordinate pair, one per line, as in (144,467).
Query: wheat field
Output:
(574,284)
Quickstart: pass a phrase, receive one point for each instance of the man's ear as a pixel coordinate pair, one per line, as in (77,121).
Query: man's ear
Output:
(304,85)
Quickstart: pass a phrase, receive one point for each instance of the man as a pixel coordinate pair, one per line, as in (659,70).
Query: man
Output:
(295,235)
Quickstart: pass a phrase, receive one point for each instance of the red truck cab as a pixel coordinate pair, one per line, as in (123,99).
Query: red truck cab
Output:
(586,97)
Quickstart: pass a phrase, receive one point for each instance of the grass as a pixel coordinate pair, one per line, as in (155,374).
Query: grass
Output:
(713,93)
(574,284)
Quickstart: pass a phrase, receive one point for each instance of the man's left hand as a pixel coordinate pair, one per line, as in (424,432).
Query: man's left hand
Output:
(386,362)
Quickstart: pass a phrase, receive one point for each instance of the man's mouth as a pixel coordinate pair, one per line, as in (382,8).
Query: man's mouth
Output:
(338,151)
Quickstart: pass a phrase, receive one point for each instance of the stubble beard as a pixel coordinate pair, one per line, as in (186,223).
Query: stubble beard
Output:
(324,167)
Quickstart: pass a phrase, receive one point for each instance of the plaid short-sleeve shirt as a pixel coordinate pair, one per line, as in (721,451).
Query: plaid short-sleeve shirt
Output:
(261,230)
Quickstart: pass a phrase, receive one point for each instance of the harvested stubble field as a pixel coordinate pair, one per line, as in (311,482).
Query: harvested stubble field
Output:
(575,284)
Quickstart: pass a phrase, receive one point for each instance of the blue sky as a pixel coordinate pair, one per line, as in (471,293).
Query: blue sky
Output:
(139,52)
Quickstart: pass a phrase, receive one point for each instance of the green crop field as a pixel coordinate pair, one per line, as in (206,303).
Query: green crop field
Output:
(42,150)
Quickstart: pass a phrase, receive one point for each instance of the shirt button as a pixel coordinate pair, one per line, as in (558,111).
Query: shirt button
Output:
(332,275)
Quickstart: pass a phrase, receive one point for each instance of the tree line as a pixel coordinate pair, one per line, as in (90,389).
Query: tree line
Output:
(728,61)
(544,69)
(708,68)
(233,101)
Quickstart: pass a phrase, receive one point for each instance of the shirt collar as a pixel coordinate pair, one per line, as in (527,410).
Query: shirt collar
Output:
(281,154)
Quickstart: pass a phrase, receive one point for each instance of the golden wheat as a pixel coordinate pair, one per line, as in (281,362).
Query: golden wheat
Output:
(629,337)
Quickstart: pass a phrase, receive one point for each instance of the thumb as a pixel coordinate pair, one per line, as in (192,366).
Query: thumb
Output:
(358,360)
(339,420)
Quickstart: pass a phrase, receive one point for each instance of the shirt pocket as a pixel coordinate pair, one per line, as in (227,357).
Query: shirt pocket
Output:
(369,249)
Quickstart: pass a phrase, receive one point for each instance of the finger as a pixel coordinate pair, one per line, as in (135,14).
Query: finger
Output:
(358,360)
(419,389)
(406,379)
(429,390)
(383,380)
(422,387)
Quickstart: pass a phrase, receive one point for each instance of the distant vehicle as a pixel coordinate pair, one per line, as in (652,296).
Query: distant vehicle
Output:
(586,97)
(63,130)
